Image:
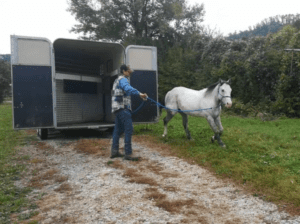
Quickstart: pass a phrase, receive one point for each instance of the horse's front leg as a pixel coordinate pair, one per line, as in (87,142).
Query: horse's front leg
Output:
(216,130)
(219,125)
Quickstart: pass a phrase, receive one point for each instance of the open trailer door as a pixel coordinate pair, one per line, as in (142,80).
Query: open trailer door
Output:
(31,68)
(143,60)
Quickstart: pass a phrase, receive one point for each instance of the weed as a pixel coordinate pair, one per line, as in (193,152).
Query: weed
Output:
(25,216)
(35,160)
(136,177)
(110,162)
(41,195)
(27,157)
(61,178)
(117,165)
(33,222)
(93,146)
(64,188)
(174,206)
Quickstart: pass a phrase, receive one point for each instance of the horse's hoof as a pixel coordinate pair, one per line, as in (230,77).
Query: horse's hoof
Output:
(212,139)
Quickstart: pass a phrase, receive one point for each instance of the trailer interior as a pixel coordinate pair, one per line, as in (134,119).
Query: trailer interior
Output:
(84,75)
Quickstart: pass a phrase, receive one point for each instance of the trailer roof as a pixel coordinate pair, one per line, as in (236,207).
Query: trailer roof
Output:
(90,47)
(83,56)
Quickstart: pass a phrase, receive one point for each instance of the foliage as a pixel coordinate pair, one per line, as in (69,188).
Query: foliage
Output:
(125,20)
(5,79)
(5,57)
(263,74)
(287,89)
(176,70)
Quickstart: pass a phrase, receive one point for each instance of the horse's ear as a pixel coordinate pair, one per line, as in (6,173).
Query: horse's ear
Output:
(229,81)
(220,80)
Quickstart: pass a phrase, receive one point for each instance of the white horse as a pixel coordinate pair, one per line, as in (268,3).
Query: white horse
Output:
(210,99)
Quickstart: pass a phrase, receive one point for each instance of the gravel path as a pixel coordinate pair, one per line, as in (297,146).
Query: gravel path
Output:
(76,187)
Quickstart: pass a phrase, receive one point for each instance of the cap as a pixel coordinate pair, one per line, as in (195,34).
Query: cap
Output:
(126,68)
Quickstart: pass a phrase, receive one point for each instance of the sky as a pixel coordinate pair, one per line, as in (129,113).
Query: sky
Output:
(50,18)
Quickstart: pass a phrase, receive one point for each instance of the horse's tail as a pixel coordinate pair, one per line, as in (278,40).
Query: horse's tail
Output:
(162,102)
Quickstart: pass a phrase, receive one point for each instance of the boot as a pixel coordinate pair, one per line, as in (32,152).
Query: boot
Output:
(128,157)
(115,155)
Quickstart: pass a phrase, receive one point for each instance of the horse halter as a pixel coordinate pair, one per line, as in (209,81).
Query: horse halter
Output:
(222,95)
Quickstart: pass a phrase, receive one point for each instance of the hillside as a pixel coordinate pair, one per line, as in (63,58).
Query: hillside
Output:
(269,25)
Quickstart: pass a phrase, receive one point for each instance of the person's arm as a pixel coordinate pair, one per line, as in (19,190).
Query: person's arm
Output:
(129,90)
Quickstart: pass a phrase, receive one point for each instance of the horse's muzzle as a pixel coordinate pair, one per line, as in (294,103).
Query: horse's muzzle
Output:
(228,105)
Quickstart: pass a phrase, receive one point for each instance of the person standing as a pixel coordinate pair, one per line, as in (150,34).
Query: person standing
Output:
(121,107)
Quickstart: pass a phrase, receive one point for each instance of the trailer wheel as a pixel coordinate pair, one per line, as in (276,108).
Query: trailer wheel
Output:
(110,129)
(42,133)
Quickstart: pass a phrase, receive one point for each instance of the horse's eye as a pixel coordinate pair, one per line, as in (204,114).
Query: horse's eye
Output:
(222,90)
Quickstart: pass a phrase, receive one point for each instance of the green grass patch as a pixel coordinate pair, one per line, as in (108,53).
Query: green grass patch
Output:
(12,198)
(262,154)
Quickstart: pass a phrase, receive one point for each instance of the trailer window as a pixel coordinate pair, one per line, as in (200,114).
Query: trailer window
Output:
(74,86)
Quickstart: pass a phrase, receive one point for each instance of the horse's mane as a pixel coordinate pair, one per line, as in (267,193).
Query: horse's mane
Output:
(211,88)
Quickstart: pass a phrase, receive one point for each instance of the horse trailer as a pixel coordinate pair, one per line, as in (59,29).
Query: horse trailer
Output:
(67,84)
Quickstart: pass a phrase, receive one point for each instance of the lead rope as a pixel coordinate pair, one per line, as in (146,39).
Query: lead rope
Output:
(140,107)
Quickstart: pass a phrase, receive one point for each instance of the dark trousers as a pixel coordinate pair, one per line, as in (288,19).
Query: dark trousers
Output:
(123,123)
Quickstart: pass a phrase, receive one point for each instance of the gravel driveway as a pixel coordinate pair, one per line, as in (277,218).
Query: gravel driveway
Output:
(76,182)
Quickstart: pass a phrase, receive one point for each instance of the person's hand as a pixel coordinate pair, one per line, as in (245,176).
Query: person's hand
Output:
(144,96)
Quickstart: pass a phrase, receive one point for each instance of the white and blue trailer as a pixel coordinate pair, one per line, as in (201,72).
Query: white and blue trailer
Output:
(67,84)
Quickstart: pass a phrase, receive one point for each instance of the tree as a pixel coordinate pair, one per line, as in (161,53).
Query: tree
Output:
(136,20)
(4,79)
(288,85)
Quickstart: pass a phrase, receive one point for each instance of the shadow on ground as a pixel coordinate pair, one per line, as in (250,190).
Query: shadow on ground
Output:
(77,134)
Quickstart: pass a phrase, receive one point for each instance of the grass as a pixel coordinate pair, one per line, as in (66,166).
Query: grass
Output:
(12,198)
(262,156)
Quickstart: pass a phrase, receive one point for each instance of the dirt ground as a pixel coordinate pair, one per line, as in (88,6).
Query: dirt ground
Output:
(75,181)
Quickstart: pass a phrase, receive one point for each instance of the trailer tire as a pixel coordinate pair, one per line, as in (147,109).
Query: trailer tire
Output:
(110,129)
(42,133)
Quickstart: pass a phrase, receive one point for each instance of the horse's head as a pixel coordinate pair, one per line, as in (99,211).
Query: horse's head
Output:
(225,92)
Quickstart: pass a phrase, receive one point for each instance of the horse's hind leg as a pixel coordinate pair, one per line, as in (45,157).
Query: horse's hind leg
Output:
(185,125)
(166,120)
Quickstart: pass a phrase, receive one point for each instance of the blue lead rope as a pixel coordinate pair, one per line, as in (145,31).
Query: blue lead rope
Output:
(160,105)
(140,107)
(180,110)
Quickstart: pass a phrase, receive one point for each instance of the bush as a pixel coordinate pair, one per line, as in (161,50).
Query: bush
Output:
(4,79)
